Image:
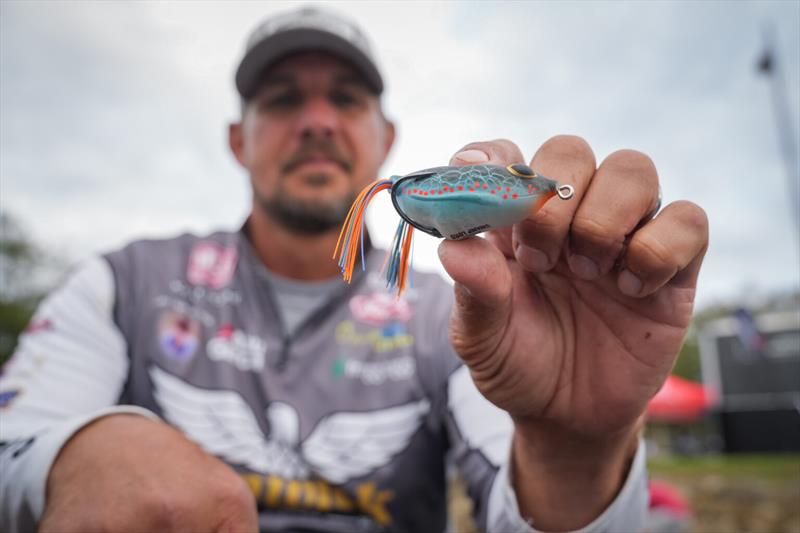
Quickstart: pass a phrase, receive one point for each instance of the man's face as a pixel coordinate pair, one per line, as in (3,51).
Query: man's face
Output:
(312,137)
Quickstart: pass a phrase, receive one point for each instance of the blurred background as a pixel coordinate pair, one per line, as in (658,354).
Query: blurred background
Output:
(113,124)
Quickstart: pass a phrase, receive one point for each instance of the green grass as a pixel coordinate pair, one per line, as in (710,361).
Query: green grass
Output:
(774,467)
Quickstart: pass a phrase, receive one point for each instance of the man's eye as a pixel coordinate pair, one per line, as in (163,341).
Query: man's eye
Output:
(283,101)
(345,99)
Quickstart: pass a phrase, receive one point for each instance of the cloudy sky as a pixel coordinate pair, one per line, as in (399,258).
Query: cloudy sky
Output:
(113,115)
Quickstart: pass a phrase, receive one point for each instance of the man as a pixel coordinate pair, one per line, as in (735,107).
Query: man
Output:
(322,406)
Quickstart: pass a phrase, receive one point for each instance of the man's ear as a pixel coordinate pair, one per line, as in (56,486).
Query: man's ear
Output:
(391,132)
(236,141)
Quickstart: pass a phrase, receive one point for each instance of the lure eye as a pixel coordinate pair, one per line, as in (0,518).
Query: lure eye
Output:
(523,171)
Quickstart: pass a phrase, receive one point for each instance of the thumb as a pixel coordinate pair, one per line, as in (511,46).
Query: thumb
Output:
(482,296)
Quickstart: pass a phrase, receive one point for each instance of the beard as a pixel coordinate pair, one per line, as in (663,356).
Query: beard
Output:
(306,217)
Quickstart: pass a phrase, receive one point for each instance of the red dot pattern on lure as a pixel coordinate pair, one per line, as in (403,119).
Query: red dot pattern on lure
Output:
(449,202)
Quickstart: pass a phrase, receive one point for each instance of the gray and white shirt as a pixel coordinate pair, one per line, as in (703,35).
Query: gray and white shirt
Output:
(342,422)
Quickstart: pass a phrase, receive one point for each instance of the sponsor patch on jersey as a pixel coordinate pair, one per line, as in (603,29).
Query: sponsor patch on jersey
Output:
(7,396)
(211,264)
(385,339)
(275,492)
(198,294)
(374,372)
(245,352)
(379,308)
(178,335)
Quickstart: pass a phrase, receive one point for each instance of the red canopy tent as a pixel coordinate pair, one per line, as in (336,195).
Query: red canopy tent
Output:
(680,400)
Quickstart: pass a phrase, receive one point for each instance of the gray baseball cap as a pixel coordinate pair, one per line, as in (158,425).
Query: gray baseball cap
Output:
(306,29)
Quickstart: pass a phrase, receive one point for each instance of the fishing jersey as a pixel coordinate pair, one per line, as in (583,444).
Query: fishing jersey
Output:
(346,425)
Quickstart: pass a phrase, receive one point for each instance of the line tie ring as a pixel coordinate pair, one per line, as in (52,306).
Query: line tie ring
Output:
(565,192)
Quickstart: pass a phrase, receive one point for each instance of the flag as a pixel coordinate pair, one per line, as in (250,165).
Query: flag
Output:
(752,340)
(766,63)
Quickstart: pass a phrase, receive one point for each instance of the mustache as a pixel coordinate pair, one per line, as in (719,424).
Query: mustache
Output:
(316,147)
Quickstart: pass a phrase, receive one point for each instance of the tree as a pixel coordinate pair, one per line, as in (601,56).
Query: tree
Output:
(26,272)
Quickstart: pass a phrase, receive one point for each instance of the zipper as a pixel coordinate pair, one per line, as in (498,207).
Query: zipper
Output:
(319,313)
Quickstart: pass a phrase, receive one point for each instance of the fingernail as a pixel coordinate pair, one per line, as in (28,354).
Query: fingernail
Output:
(583,267)
(629,284)
(470,156)
(532,259)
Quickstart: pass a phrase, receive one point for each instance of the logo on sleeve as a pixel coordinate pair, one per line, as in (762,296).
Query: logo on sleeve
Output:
(211,264)
(38,326)
(7,396)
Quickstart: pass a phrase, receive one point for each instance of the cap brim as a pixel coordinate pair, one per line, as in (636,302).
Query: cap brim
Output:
(277,46)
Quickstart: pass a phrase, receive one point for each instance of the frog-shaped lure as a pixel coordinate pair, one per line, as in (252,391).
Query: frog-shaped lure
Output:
(449,202)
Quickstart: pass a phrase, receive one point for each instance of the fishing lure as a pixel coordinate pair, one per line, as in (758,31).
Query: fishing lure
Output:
(449,202)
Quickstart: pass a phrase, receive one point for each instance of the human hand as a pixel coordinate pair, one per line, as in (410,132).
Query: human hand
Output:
(572,319)
(129,473)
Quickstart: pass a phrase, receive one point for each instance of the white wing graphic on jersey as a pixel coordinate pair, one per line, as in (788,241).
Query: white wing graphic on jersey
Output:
(341,446)
(347,445)
(223,424)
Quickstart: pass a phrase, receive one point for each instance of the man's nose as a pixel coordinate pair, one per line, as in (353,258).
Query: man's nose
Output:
(318,117)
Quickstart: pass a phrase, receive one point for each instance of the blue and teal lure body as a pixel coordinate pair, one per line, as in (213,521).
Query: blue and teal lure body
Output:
(449,202)
(456,202)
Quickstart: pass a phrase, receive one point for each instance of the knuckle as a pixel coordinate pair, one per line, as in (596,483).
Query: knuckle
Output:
(544,221)
(545,231)
(570,146)
(632,163)
(596,232)
(651,257)
(549,221)
(234,494)
(156,508)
